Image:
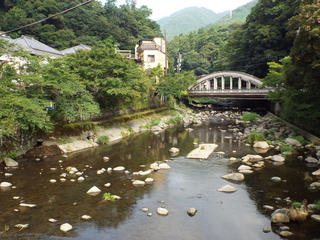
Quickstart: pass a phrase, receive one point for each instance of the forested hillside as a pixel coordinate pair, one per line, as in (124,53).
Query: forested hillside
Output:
(238,15)
(188,20)
(88,24)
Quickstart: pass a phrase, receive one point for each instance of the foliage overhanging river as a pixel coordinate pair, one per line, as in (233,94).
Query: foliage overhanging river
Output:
(189,183)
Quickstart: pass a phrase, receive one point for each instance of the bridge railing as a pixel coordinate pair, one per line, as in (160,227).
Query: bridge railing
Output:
(236,91)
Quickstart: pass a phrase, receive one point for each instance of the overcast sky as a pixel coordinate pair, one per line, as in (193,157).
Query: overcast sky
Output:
(164,8)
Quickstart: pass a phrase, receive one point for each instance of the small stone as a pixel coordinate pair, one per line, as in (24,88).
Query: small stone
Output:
(278,158)
(227,189)
(86,217)
(30,205)
(107,185)
(94,191)
(138,183)
(52,220)
(315,217)
(174,150)
(149,214)
(267,207)
(65,227)
(191,212)
(99,172)
(275,179)
(16,197)
(244,167)
(22,226)
(234,177)
(106,159)
(149,180)
(53,180)
(120,168)
(285,234)
(63,179)
(5,184)
(162,211)
(8,174)
(144,209)
(164,166)
(316,173)
(266,230)
(80,179)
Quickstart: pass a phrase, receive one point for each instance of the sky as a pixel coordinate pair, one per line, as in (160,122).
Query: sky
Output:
(164,8)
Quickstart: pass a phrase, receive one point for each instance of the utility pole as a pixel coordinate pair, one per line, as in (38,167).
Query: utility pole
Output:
(179,60)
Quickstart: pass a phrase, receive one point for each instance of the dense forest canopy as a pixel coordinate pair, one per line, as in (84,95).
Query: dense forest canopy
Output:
(89,24)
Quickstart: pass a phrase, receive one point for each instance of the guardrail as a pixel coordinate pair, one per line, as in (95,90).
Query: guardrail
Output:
(235,91)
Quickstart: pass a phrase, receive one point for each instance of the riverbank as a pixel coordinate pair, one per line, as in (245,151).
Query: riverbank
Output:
(112,131)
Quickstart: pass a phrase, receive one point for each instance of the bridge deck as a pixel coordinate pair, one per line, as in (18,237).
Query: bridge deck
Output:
(238,93)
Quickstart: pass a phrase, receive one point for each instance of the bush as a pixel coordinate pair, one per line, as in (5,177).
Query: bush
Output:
(104,139)
(107,197)
(286,148)
(250,116)
(255,137)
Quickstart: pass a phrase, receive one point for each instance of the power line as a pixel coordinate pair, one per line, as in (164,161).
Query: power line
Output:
(54,15)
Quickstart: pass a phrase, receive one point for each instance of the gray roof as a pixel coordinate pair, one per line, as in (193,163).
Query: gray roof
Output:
(76,48)
(35,47)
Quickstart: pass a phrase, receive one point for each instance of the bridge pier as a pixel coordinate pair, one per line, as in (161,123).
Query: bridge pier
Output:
(239,83)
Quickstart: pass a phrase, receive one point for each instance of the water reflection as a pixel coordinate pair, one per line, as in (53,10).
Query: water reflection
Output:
(189,183)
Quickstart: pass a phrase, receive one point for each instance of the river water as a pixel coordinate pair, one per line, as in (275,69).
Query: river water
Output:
(189,183)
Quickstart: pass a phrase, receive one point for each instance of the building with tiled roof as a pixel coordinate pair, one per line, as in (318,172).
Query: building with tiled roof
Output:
(75,48)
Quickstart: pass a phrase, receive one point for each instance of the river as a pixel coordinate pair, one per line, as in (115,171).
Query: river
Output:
(189,183)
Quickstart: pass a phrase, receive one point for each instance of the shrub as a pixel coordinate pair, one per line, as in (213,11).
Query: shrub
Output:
(298,211)
(255,136)
(155,122)
(104,140)
(250,116)
(107,197)
(64,140)
(317,203)
(286,148)
(300,139)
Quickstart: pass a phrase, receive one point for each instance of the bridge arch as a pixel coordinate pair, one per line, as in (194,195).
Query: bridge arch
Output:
(226,80)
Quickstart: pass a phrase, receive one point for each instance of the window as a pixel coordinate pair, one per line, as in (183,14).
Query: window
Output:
(151,58)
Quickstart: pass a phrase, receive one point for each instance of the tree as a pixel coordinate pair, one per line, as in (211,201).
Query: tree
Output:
(108,76)
(20,108)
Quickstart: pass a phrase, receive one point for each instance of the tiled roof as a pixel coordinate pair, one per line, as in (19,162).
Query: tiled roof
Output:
(36,47)
(75,48)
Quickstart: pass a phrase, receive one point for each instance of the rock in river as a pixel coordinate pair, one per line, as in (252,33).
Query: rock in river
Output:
(227,189)
(234,176)
(162,211)
(65,227)
(10,162)
(191,212)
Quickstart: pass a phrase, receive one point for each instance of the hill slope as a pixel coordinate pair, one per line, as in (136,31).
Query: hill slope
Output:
(238,15)
(188,20)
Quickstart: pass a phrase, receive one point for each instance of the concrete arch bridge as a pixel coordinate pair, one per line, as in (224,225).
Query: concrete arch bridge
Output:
(229,84)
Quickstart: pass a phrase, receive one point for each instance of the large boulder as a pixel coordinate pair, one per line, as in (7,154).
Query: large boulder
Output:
(41,151)
(10,162)
(162,211)
(278,158)
(65,227)
(311,160)
(293,142)
(280,216)
(227,189)
(316,173)
(234,177)
(261,144)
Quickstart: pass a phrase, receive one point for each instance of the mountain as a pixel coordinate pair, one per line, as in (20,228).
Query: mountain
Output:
(238,15)
(188,20)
